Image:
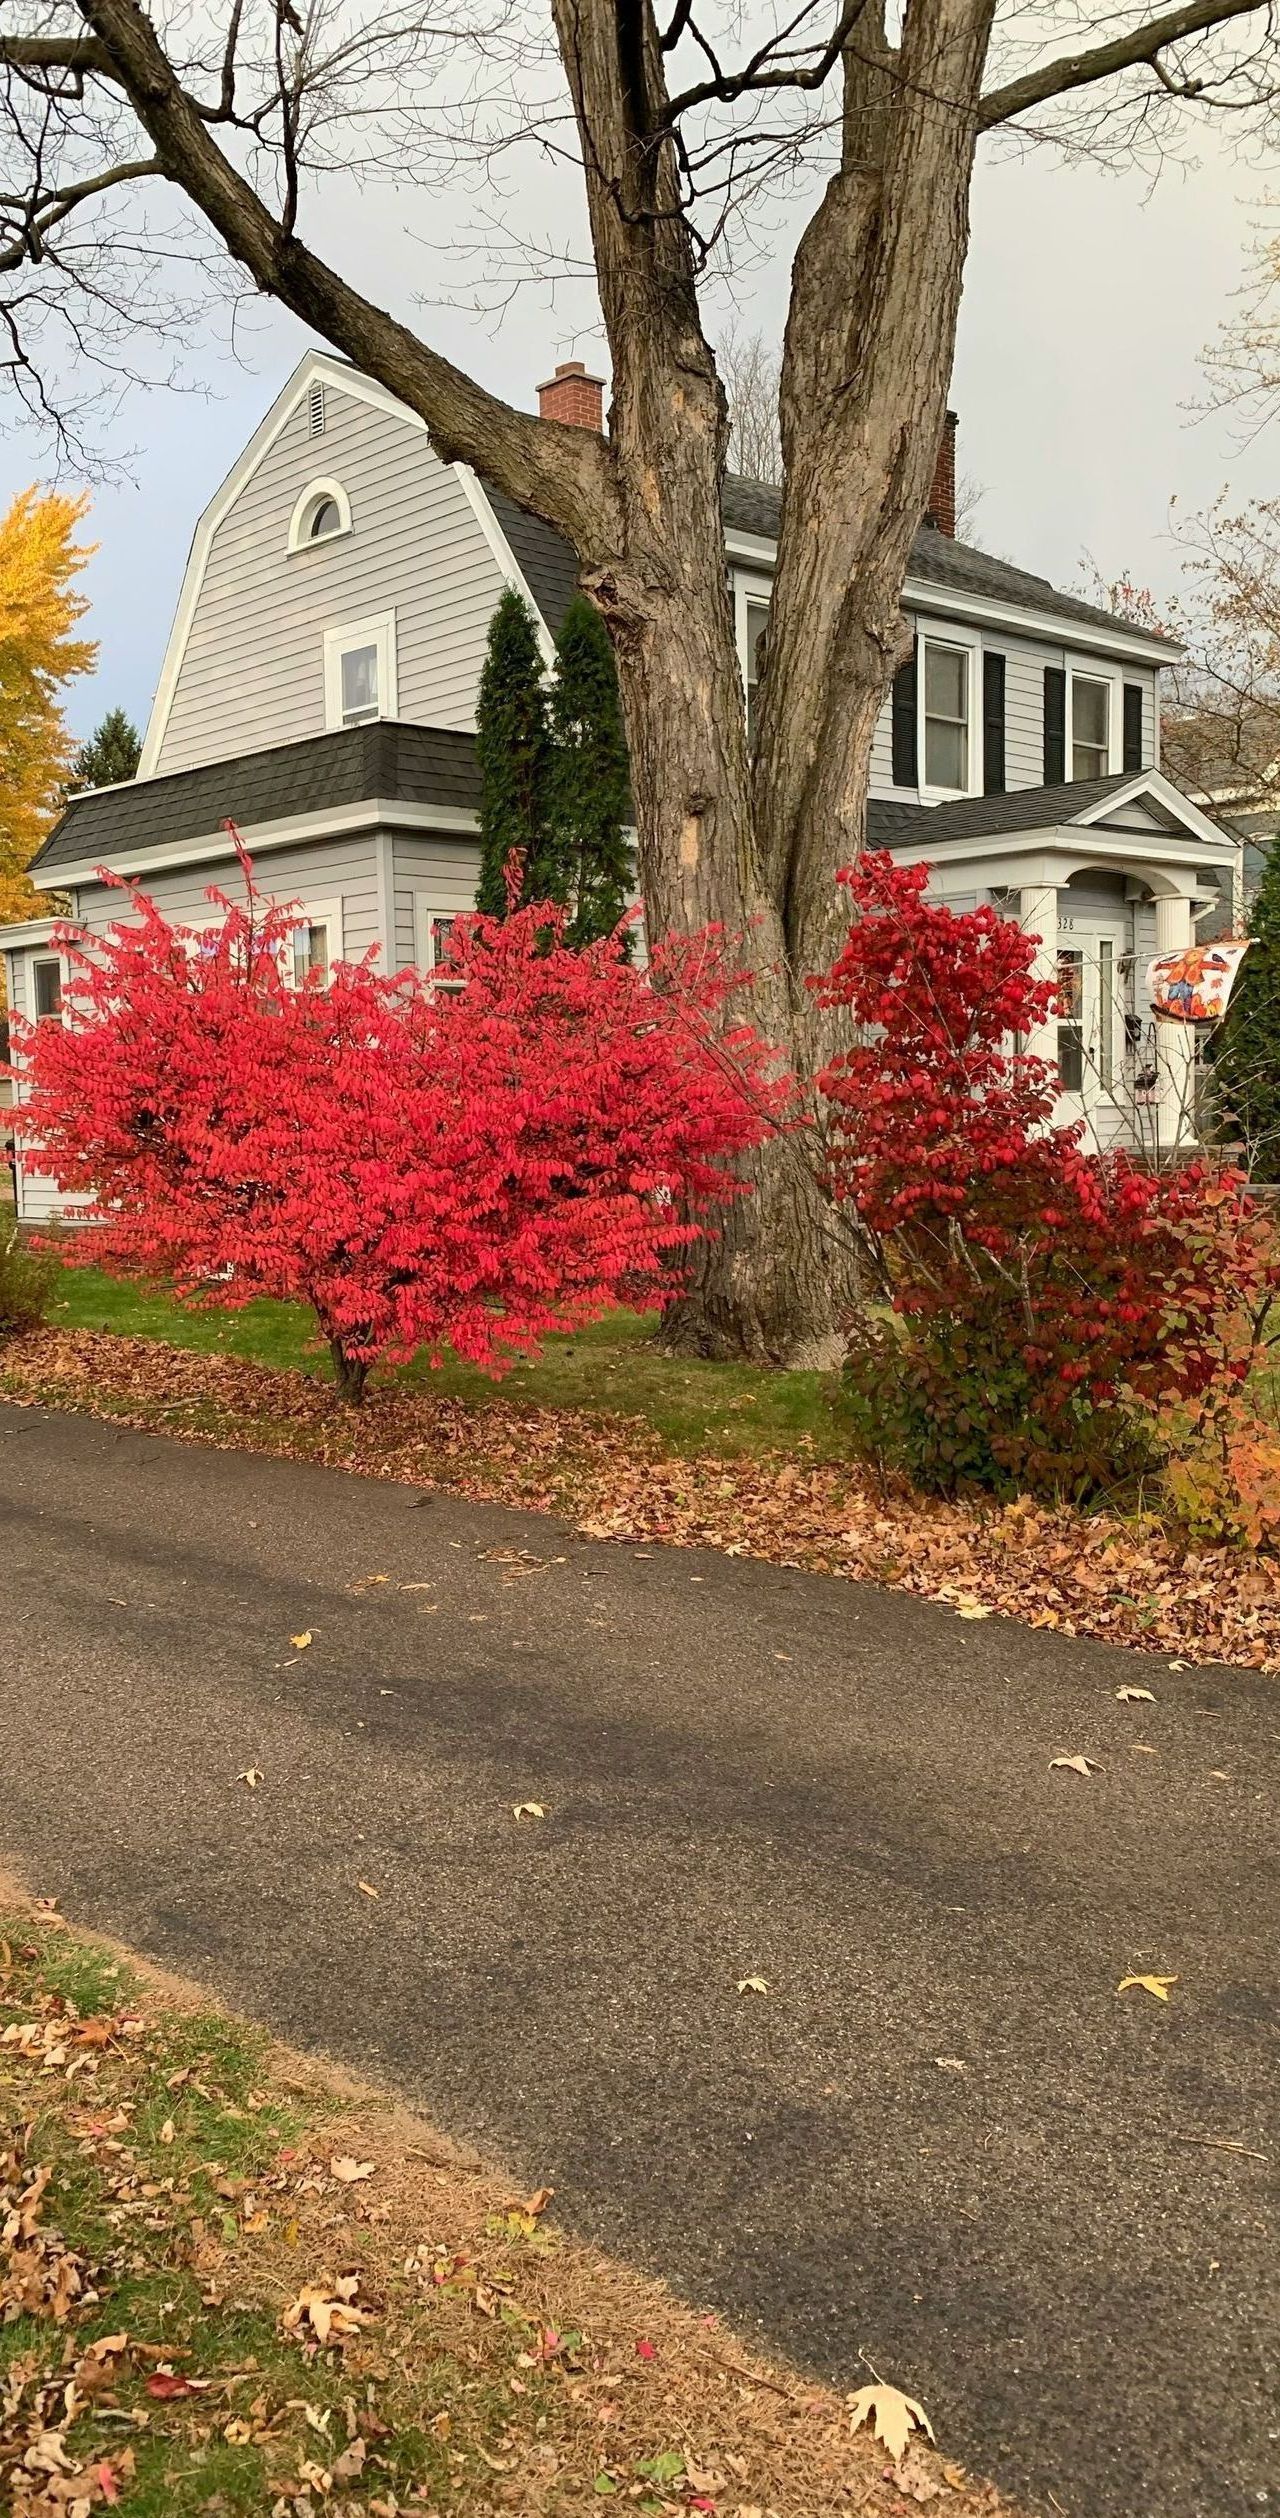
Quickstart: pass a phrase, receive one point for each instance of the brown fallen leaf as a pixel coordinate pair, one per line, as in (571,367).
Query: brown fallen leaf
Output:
(300,1642)
(326,2316)
(527,1810)
(1078,1765)
(971,1608)
(1157,1985)
(252,1776)
(752,1984)
(1135,1696)
(893,2417)
(349,2171)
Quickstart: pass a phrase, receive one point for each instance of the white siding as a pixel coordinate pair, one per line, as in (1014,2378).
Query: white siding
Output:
(445,871)
(320,870)
(253,671)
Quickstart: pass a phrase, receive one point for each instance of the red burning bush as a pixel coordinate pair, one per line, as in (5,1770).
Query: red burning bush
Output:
(1041,1285)
(422,1166)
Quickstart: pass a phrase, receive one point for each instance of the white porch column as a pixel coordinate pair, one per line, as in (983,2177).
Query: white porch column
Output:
(1038,916)
(1175,1042)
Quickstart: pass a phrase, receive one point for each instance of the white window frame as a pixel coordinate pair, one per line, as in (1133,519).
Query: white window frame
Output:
(316,914)
(1085,672)
(949,634)
(40,953)
(379,631)
(314,496)
(747,589)
(427,907)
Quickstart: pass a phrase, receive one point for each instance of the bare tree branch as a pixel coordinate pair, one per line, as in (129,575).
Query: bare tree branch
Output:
(1141,44)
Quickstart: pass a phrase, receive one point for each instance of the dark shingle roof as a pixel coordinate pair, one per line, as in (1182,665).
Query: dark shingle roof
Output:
(411,764)
(547,563)
(755,507)
(982,817)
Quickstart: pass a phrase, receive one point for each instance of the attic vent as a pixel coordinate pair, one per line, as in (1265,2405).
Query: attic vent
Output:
(315,411)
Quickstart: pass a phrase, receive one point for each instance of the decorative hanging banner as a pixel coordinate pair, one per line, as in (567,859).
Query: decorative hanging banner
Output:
(1193,986)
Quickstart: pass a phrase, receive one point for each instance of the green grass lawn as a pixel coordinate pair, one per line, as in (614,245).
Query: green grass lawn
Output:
(612,1368)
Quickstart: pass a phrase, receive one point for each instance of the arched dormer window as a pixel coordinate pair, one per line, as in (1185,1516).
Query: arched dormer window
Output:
(322,513)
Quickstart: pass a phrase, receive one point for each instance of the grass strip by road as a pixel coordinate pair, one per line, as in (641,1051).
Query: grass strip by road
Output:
(234,2282)
(614,1475)
(610,1368)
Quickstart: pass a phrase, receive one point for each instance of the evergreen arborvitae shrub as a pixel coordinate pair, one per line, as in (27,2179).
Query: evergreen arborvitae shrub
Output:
(590,784)
(1247,1058)
(513,748)
(110,755)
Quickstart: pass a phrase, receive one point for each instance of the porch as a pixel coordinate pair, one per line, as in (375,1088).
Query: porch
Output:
(1105,875)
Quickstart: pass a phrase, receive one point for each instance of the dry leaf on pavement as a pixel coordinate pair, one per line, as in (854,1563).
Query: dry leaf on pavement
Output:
(366,1891)
(1078,1765)
(300,1642)
(250,1775)
(893,2416)
(527,1810)
(1135,1696)
(972,1608)
(1157,1985)
(752,1984)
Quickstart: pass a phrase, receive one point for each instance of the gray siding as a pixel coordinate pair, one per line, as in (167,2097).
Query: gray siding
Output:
(1025,661)
(253,672)
(321,870)
(444,871)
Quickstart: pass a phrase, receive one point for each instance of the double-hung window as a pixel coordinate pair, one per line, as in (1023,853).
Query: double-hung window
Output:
(432,931)
(946,704)
(46,987)
(1090,726)
(360,672)
(315,944)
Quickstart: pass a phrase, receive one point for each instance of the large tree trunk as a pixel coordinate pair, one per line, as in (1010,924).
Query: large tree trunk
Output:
(756,847)
(753,847)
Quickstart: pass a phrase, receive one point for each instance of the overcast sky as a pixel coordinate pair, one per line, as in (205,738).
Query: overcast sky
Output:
(1087,303)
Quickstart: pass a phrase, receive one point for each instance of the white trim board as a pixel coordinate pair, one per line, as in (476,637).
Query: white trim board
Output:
(335,823)
(331,372)
(1053,629)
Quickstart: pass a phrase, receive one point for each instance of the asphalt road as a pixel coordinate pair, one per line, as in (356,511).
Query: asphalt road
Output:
(941,2138)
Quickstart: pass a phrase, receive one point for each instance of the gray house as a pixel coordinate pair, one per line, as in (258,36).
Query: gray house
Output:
(319,690)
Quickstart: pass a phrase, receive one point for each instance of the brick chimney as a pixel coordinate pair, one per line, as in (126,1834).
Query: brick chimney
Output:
(940,507)
(573,396)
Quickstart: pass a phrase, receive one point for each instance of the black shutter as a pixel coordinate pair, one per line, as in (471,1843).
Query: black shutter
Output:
(992,724)
(906,749)
(1055,725)
(1133,726)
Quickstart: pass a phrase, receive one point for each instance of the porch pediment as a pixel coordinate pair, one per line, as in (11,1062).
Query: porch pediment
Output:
(1128,819)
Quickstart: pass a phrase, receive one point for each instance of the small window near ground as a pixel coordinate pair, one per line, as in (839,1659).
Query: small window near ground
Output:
(1090,727)
(946,717)
(46,988)
(310,949)
(439,935)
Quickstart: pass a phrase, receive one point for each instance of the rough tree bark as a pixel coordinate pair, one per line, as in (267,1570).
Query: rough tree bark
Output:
(753,845)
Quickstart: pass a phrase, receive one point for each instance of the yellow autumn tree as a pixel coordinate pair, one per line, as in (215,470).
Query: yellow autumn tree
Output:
(40,607)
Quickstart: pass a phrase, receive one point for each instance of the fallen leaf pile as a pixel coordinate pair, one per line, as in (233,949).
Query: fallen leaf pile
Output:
(1126,1582)
(244,2289)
